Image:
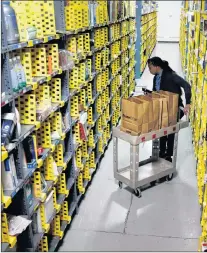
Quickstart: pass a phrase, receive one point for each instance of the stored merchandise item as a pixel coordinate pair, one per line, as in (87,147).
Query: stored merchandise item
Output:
(11,23)
(14,79)
(20,72)
(49,207)
(8,126)
(29,145)
(66,61)
(9,174)
(17,224)
(31,33)
(18,122)
(29,193)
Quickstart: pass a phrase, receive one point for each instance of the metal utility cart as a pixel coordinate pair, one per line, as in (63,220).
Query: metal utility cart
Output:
(138,173)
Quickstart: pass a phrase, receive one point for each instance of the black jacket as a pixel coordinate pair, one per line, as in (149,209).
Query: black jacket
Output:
(172,82)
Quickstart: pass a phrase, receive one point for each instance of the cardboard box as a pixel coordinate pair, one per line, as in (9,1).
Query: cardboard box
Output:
(163,118)
(128,131)
(172,106)
(135,115)
(154,111)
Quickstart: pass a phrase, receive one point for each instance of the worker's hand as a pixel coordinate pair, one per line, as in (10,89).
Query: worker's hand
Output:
(186,109)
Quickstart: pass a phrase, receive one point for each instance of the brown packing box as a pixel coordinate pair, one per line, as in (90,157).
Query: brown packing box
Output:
(163,118)
(128,131)
(173,106)
(143,109)
(132,116)
(132,127)
(154,111)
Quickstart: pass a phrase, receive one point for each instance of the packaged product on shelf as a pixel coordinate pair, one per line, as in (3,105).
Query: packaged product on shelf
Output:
(8,174)
(29,193)
(91,13)
(49,207)
(18,122)
(29,145)
(95,7)
(36,223)
(14,79)
(66,120)
(55,136)
(83,126)
(55,168)
(31,33)
(11,23)
(9,122)
(43,109)
(66,61)
(20,72)
(17,224)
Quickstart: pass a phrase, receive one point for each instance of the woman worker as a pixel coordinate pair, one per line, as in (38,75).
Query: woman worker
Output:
(166,79)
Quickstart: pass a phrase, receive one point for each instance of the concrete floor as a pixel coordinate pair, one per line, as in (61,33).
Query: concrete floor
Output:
(167,216)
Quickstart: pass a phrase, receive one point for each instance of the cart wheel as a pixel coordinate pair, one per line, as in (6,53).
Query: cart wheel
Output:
(120,185)
(138,193)
(169,177)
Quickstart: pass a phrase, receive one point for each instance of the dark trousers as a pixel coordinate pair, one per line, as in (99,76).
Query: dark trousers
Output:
(167,142)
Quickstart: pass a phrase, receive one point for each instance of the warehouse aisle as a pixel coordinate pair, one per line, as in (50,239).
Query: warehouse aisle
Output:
(167,216)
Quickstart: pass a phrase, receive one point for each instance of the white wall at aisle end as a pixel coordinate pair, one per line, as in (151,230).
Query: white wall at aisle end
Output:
(168,21)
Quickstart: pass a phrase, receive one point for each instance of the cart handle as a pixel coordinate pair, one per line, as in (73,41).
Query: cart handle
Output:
(187,115)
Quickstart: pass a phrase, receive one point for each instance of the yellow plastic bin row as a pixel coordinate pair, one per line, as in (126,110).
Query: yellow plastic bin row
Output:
(132,25)
(80,75)
(31,107)
(53,174)
(115,30)
(115,49)
(40,61)
(101,59)
(102,80)
(125,27)
(124,57)
(100,37)
(5,237)
(79,44)
(38,14)
(124,43)
(201,169)
(56,227)
(77,15)
(101,12)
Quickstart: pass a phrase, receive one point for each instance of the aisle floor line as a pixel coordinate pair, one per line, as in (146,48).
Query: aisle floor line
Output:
(140,235)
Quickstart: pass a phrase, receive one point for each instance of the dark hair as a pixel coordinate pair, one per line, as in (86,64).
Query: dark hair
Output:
(158,62)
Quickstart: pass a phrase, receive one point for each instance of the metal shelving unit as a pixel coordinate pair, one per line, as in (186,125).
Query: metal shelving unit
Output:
(146,33)
(193,48)
(108,48)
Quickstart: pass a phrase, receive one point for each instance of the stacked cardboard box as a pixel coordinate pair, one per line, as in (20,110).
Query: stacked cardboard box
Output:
(151,112)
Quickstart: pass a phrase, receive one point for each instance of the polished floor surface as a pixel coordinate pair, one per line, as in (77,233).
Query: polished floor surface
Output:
(167,216)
